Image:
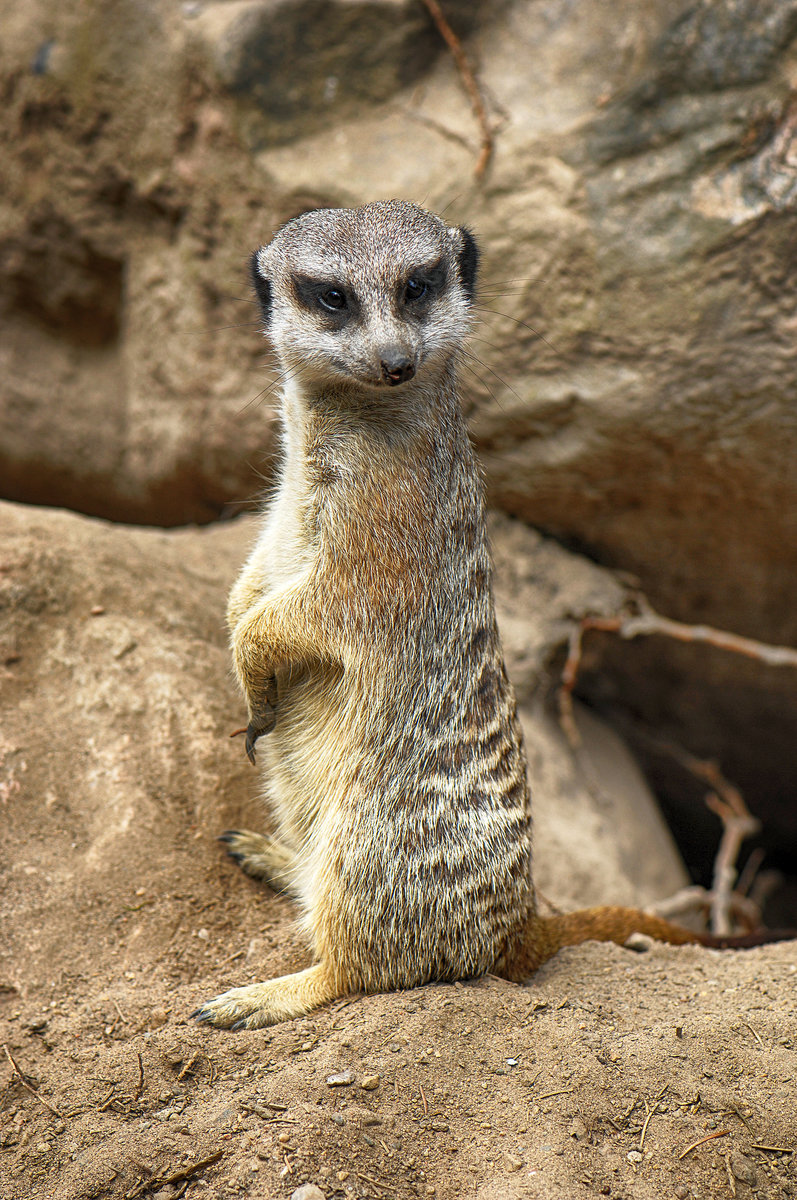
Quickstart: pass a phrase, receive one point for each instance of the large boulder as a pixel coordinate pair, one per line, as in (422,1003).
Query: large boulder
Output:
(630,384)
(637,221)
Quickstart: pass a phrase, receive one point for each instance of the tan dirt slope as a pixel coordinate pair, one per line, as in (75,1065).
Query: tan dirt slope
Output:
(120,914)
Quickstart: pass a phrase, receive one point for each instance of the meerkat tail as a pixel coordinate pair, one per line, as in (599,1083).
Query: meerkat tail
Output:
(544,936)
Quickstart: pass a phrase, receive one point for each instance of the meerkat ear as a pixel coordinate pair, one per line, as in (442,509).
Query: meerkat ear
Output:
(261,284)
(468,261)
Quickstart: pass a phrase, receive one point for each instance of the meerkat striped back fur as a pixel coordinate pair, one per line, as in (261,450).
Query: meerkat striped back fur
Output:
(364,636)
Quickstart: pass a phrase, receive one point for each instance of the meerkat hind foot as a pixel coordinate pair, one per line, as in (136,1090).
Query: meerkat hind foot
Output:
(261,857)
(262,1004)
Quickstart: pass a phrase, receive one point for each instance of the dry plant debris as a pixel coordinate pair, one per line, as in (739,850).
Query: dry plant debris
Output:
(469,82)
(725,902)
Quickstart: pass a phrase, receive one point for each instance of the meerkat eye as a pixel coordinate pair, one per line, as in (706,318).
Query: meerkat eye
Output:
(415,289)
(333,299)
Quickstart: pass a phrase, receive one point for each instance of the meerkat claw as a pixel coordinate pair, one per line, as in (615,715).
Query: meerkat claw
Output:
(262,722)
(230,838)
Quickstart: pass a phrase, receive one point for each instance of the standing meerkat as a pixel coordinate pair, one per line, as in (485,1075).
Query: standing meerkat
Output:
(365,641)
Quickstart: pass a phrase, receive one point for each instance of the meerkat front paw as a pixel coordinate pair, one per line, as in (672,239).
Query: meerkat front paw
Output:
(259,723)
(262,717)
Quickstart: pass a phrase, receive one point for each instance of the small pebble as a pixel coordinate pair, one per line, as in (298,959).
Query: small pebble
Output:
(342,1079)
(369,1083)
(513,1162)
(308,1191)
(578,1129)
(634,1156)
(743,1169)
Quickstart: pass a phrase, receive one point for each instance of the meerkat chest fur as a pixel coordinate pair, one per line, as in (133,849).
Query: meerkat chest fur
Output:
(395,766)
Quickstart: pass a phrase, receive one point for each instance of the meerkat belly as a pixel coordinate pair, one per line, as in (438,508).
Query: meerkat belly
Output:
(413,831)
(431,896)
(308,756)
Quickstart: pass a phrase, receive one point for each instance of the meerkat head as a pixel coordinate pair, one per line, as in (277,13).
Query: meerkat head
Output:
(366,298)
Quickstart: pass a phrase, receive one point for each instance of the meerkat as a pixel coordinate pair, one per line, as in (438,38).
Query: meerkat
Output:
(365,641)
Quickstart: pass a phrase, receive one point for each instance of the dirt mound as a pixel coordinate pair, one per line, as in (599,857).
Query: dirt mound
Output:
(120,914)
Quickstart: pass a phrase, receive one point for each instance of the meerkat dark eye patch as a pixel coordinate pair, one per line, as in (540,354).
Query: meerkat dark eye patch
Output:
(324,295)
(261,285)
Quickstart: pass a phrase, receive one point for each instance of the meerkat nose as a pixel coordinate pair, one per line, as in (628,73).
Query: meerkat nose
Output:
(397,368)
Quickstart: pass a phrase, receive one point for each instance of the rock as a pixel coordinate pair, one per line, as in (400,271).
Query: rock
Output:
(360,57)
(645,207)
(622,852)
(369,1083)
(743,1169)
(651,234)
(308,1191)
(341,1079)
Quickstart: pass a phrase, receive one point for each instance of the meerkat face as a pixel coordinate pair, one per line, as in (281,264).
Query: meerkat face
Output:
(366,298)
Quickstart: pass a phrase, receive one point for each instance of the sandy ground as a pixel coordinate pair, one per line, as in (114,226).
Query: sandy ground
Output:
(593,1080)
(665,1075)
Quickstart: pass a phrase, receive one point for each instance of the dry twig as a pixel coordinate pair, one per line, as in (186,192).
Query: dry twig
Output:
(755,1035)
(651,1109)
(738,823)
(374,1182)
(724,800)
(29,1087)
(701,1141)
(161,1181)
(469,83)
(644,623)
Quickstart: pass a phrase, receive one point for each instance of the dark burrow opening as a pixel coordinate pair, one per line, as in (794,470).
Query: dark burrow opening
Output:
(666,698)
